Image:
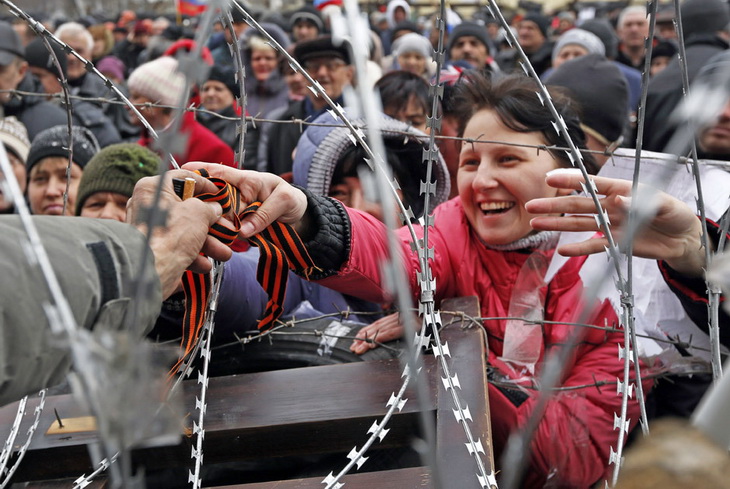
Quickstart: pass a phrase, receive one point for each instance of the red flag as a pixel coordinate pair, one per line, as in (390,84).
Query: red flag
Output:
(191,7)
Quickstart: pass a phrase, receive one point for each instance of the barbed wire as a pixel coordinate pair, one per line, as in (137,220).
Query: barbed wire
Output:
(20,454)
(432,138)
(651,156)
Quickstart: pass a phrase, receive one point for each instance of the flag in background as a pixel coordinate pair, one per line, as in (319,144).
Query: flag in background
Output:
(191,7)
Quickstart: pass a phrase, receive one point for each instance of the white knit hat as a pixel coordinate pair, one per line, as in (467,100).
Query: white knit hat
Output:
(158,80)
(14,136)
(591,42)
(412,42)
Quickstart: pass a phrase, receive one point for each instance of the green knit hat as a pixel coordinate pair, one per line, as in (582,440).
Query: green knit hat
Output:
(116,168)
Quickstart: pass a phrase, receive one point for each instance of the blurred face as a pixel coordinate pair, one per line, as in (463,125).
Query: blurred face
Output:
(10,77)
(569,52)
(716,138)
(140,38)
(496,180)
(105,205)
(332,73)
(633,30)
(20,176)
(99,46)
(413,114)
(48,183)
(349,191)
(399,14)
(304,30)
(296,83)
(263,63)
(666,30)
(530,36)
(470,49)
(658,64)
(215,95)
(564,25)
(75,68)
(154,115)
(412,62)
(50,82)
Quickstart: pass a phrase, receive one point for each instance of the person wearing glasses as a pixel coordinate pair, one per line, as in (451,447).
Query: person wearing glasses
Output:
(330,65)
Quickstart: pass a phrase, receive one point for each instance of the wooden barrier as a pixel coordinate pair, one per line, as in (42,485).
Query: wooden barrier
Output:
(313,410)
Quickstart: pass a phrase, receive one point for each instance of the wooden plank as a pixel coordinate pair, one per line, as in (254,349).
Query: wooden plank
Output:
(467,345)
(251,416)
(256,416)
(411,478)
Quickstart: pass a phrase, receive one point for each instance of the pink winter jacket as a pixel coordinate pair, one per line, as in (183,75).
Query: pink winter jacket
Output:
(573,439)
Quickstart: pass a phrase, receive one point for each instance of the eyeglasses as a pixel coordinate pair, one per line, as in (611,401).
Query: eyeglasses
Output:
(314,65)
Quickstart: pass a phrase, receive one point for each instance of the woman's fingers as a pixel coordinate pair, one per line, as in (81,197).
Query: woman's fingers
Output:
(564,223)
(279,200)
(571,204)
(383,330)
(575,181)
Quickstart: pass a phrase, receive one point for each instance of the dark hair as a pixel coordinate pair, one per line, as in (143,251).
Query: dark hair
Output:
(516,103)
(396,89)
(402,159)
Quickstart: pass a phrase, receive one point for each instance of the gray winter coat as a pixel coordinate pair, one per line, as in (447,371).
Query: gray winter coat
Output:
(94,261)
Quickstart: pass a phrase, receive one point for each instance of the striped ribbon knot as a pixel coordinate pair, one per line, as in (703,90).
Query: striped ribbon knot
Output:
(281,249)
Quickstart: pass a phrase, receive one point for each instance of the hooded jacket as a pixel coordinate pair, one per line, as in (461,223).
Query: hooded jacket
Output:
(665,89)
(390,11)
(324,143)
(571,443)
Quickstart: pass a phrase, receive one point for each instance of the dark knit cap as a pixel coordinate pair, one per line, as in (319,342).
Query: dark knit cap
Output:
(592,74)
(602,28)
(704,17)
(37,54)
(667,48)
(307,14)
(227,76)
(54,142)
(406,25)
(116,168)
(10,44)
(542,22)
(469,29)
(321,47)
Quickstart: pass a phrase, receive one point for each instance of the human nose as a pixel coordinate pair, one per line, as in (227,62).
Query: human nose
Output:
(486,177)
(113,211)
(56,187)
(725,114)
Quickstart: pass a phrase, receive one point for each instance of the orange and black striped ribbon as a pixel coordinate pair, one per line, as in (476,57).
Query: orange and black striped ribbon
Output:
(281,249)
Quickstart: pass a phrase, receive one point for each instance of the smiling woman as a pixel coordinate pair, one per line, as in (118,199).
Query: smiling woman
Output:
(482,245)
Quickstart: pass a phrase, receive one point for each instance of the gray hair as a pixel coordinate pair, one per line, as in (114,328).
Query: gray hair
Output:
(634,9)
(76,31)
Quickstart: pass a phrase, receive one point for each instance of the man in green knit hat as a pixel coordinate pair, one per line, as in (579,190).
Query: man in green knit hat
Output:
(109,179)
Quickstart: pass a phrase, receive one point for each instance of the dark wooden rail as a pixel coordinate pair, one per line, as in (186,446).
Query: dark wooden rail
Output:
(316,410)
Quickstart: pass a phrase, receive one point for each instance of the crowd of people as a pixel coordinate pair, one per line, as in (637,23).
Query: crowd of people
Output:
(500,202)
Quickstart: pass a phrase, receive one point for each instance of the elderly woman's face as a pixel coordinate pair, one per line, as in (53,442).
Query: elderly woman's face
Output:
(263,63)
(495,180)
(215,95)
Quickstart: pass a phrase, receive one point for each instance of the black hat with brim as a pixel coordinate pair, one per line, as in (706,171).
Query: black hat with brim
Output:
(321,47)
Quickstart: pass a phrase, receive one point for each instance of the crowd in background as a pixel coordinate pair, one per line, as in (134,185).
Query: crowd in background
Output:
(591,59)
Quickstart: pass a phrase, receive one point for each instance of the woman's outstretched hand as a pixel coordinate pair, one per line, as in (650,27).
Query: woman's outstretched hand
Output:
(280,201)
(672,234)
